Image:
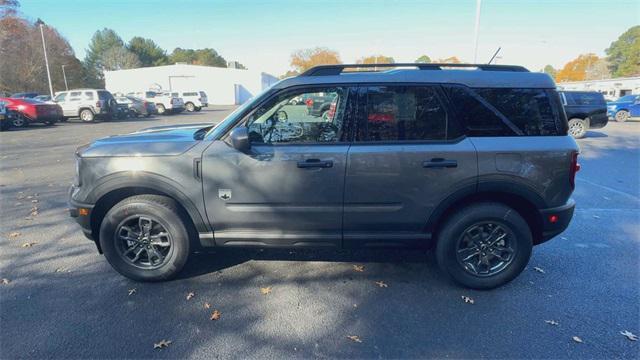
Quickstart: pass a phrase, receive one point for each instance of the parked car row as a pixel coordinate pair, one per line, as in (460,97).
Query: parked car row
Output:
(90,105)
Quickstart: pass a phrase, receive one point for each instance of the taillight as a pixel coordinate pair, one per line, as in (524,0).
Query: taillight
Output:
(309,102)
(575,167)
(97,104)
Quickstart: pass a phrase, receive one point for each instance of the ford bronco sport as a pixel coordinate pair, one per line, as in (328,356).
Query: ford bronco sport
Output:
(472,160)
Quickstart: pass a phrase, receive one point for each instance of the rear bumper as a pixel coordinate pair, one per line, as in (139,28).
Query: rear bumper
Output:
(563,215)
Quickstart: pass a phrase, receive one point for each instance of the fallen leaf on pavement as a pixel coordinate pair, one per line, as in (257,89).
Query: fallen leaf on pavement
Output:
(629,335)
(381,284)
(132,291)
(577,339)
(28,244)
(265,290)
(552,322)
(5,281)
(540,270)
(354,338)
(215,315)
(207,305)
(162,344)
(14,234)
(190,295)
(468,300)
(358,268)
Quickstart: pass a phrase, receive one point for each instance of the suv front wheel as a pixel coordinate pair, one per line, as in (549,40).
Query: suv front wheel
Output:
(144,238)
(484,245)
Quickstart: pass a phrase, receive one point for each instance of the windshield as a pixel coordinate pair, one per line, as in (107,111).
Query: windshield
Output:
(218,129)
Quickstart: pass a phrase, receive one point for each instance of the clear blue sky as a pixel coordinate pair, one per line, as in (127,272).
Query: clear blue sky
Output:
(262,34)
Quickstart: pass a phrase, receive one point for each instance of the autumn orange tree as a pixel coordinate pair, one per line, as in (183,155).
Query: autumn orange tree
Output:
(22,66)
(376,59)
(304,59)
(576,69)
(449,60)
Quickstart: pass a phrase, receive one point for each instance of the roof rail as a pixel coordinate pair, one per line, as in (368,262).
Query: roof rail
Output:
(328,70)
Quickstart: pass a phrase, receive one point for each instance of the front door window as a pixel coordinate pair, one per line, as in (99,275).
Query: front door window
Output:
(311,116)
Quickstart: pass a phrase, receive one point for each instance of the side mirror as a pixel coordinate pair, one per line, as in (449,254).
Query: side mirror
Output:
(240,139)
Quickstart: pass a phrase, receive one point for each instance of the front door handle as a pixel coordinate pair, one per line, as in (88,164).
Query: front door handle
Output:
(315,163)
(440,163)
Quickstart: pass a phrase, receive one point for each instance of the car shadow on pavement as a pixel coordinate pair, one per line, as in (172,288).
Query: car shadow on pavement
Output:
(596,134)
(202,263)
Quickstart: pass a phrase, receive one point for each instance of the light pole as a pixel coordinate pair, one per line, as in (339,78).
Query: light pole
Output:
(477,31)
(64,75)
(46,60)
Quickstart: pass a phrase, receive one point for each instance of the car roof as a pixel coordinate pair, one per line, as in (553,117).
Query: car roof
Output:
(472,75)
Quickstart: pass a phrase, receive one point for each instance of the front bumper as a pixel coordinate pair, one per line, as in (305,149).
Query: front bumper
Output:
(563,215)
(81,212)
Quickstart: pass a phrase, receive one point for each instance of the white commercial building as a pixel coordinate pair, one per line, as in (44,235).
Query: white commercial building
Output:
(224,86)
(610,88)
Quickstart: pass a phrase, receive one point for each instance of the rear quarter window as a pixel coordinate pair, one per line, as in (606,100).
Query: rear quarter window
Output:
(507,111)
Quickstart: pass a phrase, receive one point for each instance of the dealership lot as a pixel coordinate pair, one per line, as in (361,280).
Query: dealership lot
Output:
(64,300)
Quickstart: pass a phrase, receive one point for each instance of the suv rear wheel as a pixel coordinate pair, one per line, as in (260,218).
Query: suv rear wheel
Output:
(484,246)
(144,238)
(161,109)
(577,128)
(190,107)
(86,115)
(622,116)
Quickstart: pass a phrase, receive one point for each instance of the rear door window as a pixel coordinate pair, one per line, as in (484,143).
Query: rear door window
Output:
(585,98)
(88,95)
(402,113)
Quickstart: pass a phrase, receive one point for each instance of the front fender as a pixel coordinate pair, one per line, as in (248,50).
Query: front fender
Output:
(154,182)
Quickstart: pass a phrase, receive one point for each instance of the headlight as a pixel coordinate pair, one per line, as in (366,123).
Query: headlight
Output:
(21,107)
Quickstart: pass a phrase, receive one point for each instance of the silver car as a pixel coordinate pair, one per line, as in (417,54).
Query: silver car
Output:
(87,104)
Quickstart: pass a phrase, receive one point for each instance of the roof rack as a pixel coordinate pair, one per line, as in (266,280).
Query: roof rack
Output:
(328,70)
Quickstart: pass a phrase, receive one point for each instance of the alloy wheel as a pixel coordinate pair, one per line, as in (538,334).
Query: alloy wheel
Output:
(486,249)
(576,128)
(622,115)
(143,242)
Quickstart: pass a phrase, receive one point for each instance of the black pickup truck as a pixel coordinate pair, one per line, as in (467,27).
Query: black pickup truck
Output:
(585,110)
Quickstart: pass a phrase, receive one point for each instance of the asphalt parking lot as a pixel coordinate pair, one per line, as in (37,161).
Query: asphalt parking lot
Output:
(63,300)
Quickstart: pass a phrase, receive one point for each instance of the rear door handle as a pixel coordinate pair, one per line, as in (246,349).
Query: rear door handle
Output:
(315,163)
(440,163)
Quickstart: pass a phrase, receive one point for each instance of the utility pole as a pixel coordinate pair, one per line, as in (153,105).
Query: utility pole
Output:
(46,60)
(477,31)
(64,75)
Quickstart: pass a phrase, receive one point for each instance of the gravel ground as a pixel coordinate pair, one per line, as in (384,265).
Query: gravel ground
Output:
(64,301)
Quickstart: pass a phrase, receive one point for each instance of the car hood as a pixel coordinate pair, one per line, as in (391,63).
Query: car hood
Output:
(618,103)
(155,141)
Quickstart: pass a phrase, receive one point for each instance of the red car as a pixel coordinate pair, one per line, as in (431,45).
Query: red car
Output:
(26,111)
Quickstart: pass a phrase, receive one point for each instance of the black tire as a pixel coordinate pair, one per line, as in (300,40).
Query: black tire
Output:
(166,213)
(622,116)
(198,108)
(19,121)
(578,128)
(161,109)
(190,107)
(452,235)
(86,115)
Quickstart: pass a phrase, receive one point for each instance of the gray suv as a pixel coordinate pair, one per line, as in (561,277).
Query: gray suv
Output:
(473,161)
